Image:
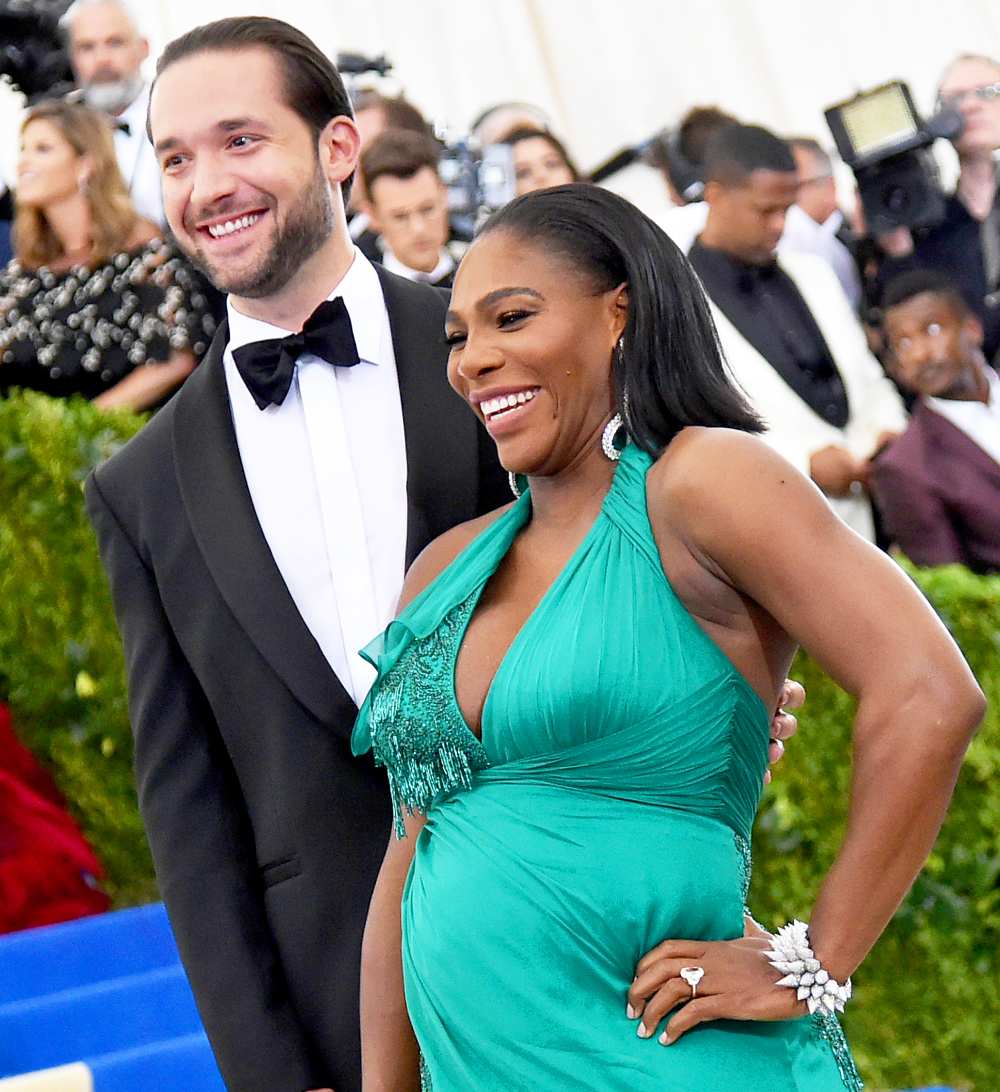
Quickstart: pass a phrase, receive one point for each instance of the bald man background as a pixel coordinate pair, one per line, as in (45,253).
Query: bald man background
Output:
(106,51)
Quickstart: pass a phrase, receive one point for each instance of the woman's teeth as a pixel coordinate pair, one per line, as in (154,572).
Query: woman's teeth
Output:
(506,402)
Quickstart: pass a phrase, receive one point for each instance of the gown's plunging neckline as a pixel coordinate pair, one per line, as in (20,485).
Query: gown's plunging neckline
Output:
(524,627)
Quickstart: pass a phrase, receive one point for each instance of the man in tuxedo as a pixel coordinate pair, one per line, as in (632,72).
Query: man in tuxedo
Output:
(407,205)
(938,485)
(256,534)
(790,338)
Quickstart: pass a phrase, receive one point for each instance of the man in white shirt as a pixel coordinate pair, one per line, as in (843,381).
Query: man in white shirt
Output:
(107,51)
(815,224)
(407,205)
(256,534)
(938,485)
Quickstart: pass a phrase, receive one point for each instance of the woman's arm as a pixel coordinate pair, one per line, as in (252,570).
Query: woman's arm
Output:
(867,625)
(148,385)
(390,1057)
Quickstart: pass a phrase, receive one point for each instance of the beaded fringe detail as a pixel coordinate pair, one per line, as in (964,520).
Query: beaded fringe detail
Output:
(746,865)
(417,730)
(827,1027)
(425,1076)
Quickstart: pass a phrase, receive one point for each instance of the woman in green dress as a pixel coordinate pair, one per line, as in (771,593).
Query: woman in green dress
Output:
(573,704)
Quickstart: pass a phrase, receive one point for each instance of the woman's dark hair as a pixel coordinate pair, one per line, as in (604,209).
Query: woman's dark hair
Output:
(671,372)
(527,133)
(312,85)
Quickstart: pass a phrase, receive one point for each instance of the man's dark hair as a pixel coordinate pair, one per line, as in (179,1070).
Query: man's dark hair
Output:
(697,128)
(526,132)
(917,282)
(397,153)
(313,87)
(735,152)
(670,373)
(399,112)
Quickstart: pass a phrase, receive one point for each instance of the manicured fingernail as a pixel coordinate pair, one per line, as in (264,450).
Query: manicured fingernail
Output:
(630,1012)
(664,1040)
(643,1032)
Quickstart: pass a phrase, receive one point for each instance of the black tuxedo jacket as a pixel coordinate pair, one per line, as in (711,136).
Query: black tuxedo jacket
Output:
(267,835)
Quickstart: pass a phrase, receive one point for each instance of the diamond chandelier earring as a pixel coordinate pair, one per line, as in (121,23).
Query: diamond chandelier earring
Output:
(608,438)
(514,487)
(612,450)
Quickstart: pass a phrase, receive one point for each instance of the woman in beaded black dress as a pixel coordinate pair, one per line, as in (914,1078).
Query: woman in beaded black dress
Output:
(95,303)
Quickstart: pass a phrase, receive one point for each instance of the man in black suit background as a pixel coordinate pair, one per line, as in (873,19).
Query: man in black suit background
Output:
(256,533)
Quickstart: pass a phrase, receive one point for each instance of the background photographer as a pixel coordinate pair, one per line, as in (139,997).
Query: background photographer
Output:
(966,243)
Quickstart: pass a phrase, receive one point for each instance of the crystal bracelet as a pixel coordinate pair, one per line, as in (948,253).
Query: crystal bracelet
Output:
(791,954)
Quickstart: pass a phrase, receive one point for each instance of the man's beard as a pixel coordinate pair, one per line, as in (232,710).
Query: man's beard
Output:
(307,227)
(112,96)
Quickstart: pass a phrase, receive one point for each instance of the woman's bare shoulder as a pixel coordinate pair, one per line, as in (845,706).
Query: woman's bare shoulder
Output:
(705,471)
(442,551)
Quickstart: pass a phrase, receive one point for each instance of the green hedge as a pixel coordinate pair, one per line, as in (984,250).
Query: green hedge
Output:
(927,1007)
(60,657)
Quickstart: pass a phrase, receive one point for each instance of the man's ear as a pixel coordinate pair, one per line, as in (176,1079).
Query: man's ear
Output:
(972,329)
(143,49)
(712,191)
(371,209)
(339,149)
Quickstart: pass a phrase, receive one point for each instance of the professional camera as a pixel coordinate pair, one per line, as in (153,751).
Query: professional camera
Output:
(479,181)
(32,56)
(883,139)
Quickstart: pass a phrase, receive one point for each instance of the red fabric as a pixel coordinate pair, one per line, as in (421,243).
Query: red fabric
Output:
(48,873)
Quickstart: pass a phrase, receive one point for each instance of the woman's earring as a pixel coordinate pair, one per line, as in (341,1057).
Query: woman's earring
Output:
(608,438)
(514,487)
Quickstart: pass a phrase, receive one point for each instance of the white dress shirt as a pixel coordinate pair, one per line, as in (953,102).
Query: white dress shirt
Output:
(137,160)
(804,236)
(445,265)
(684,223)
(980,421)
(327,475)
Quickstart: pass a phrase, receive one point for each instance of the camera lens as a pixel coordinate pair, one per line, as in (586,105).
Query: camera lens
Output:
(896,199)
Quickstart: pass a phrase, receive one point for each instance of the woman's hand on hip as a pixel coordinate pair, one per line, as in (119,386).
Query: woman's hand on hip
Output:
(738,984)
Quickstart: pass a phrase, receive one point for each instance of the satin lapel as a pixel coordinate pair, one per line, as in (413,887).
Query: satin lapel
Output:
(225,526)
(442,458)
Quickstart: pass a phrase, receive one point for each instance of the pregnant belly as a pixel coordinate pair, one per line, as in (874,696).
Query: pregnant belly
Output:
(575,887)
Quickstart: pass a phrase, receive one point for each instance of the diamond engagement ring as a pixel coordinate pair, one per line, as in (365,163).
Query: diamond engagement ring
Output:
(692,976)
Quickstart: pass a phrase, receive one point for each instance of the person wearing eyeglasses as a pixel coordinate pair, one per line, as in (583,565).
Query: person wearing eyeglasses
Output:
(815,223)
(966,244)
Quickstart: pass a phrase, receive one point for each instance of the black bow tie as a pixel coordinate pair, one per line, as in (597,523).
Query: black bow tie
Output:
(123,127)
(267,367)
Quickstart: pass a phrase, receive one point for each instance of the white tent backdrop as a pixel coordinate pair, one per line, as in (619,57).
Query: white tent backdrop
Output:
(611,73)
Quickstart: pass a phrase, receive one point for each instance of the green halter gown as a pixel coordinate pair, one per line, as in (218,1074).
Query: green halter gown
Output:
(608,807)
